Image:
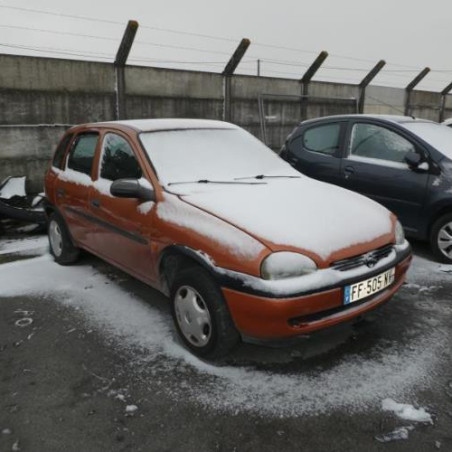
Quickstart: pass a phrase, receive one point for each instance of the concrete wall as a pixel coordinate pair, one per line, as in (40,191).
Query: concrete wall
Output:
(41,97)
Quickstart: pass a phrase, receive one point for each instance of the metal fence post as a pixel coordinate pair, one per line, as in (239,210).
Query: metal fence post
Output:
(120,64)
(228,72)
(410,87)
(366,81)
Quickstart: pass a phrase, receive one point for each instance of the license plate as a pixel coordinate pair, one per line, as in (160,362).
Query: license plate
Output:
(370,286)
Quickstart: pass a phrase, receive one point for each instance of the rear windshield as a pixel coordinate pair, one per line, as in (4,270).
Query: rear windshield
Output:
(437,135)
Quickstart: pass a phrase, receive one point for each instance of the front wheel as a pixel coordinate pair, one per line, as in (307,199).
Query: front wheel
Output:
(201,315)
(61,247)
(441,238)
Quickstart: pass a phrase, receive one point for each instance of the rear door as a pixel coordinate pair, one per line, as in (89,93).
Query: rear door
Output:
(374,165)
(124,224)
(74,184)
(316,150)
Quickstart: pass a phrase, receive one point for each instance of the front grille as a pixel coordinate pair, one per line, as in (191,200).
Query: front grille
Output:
(363,259)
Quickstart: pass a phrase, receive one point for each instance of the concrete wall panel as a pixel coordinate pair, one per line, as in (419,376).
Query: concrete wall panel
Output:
(172,83)
(50,74)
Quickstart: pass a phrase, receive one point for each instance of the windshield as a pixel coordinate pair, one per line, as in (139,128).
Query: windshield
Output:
(437,135)
(214,154)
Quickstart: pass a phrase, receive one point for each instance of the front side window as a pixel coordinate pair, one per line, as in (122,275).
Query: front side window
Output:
(118,159)
(60,152)
(82,153)
(323,139)
(376,142)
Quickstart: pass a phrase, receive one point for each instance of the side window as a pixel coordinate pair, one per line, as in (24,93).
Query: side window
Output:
(372,141)
(61,150)
(118,159)
(323,139)
(82,153)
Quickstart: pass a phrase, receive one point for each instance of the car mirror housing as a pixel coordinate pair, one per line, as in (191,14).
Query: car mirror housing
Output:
(131,188)
(415,162)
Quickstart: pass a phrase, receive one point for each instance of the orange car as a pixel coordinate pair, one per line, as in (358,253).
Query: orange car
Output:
(245,246)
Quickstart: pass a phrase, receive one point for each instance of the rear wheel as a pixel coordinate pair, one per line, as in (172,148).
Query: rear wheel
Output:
(61,247)
(441,238)
(201,315)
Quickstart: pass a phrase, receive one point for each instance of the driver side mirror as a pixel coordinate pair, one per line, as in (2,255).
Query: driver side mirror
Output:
(131,188)
(414,161)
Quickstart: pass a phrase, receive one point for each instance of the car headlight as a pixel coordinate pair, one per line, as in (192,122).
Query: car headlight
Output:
(285,264)
(399,234)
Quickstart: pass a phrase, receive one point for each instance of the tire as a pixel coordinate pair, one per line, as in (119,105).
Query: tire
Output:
(440,243)
(60,243)
(196,296)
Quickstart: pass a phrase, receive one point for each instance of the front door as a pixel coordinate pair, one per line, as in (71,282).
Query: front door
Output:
(124,224)
(375,167)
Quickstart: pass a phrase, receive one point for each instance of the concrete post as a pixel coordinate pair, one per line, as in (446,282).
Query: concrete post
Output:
(444,94)
(120,64)
(366,81)
(306,79)
(410,87)
(228,72)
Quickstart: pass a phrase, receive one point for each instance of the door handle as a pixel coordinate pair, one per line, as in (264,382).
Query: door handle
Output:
(349,171)
(95,203)
(60,192)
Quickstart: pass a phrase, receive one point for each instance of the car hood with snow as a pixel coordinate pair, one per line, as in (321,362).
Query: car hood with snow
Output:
(300,214)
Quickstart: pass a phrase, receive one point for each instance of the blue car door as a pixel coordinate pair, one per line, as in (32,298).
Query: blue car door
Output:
(315,150)
(374,165)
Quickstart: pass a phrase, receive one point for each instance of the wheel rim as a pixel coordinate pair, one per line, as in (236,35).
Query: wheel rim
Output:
(192,316)
(56,239)
(445,240)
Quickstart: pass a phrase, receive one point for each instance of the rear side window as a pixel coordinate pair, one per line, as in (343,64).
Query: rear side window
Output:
(61,150)
(323,139)
(82,153)
(372,141)
(118,159)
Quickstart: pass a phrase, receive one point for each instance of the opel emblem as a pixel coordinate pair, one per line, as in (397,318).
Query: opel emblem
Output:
(370,260)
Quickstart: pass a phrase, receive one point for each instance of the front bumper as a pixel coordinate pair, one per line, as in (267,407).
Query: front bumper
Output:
(269,310)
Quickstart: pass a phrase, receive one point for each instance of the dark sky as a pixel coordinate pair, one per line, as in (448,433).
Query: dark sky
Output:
(409,35)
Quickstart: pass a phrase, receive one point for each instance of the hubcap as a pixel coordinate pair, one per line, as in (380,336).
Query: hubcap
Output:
(193,316)
(445,240)
(56,239)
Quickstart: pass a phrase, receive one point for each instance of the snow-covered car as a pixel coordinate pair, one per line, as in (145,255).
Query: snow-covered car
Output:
(244,246)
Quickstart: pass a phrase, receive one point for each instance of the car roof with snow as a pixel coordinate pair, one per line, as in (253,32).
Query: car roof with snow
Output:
(390,118)
(153,125)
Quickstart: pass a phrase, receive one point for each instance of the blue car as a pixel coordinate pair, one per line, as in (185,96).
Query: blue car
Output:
(401,162)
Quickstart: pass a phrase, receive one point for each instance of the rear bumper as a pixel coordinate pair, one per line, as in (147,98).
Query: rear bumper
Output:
(266,316)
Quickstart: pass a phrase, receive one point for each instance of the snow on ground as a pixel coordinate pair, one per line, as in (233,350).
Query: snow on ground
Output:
(143,331)
(25,246)
(424,272)
(407,412)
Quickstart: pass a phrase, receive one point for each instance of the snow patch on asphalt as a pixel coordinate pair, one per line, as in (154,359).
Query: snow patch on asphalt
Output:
(355,382)
(407,412)
(25,246)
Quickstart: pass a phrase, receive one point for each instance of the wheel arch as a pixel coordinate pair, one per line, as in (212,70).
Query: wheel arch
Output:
(175,258)
(440,212)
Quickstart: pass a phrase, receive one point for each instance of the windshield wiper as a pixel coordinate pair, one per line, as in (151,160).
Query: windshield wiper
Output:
(263,176)
(207,181)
